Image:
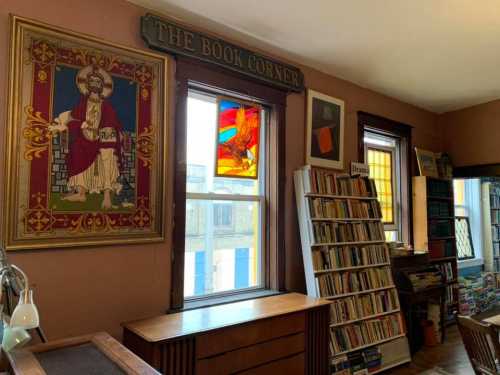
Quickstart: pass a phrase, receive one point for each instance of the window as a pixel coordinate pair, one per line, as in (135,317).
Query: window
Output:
(468,224)
(382,153)
(224,237)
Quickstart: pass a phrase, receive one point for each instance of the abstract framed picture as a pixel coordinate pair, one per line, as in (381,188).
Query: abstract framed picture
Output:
(86,141)
(427,164)
(325,131)
(237,138)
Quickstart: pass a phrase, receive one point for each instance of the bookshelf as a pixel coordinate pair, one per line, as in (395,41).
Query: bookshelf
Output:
(434,231)
(491,228)
(347,261)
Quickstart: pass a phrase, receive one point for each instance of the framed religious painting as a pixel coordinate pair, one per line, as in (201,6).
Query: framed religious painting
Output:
(325,131)
(86,141)
(426,161)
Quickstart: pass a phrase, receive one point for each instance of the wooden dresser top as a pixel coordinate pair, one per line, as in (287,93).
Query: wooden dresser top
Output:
(166,327)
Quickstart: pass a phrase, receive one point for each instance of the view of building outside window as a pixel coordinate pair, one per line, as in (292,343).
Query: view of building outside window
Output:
(223,243)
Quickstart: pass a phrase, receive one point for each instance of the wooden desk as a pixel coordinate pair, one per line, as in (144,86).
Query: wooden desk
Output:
(92,354)
(285,334)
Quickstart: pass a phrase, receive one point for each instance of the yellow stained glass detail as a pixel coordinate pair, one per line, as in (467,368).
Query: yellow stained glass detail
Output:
(380,162)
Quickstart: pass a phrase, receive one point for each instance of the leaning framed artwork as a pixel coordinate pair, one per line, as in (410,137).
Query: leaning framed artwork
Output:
(86,142)
(325,130)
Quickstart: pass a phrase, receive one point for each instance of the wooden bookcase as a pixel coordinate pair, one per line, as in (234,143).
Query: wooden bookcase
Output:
(328,203)
(491,225)
(434,231)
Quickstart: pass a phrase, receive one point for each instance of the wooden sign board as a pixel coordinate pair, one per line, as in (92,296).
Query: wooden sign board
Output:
(360,169)
(163,35)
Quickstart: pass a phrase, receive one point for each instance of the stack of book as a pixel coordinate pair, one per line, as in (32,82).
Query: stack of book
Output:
(349,256)
(324,208)
(347,261)
(425,279)
(447,271)
(336,284)
(331,232)
(361,306)
(348,337)
(477,293)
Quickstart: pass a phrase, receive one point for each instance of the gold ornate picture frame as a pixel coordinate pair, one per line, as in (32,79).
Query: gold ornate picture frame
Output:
(85,159)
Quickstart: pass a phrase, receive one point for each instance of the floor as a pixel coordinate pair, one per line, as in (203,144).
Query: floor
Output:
(450,356)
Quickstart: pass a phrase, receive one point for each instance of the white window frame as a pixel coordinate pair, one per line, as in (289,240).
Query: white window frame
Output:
(370,137)
(260,198)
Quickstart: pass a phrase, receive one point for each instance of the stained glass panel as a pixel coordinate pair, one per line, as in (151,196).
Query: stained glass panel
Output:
(380,162)
(238,126)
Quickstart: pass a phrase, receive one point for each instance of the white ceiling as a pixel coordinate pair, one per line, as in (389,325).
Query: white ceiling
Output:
(437,54)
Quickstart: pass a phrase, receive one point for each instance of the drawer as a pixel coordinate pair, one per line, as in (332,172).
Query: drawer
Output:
(252,356)
(231,338)
(294,365)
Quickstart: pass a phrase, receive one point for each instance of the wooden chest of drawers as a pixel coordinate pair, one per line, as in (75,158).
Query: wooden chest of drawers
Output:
(285,334)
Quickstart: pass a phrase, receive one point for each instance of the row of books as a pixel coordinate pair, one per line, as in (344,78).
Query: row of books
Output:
(357,363)
(322,181)
(495,216)
(495,233)
(441,228)
(363,305)
(447,271)
(334,284)
(494,197)
(496,249)
(450,295)
(438,209)
(349,256)
(329,208)
(477,293)
(439,189)
(367,332)
(425,279)
(347,232)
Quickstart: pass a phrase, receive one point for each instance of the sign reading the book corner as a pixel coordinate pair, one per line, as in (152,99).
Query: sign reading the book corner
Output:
(163,35)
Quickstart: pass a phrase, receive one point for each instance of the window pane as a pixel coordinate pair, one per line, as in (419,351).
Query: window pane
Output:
(391,235)
(201,137)
(222,246)
(380,162)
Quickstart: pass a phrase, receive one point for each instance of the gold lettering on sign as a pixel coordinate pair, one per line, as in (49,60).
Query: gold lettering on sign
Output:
(188,41)
(174,36)
(269,69)
(228,55)
(237,58)
(295,78)
(217,50)
(251,63)
(160,26)
(205,46)
(278,71)
(260,66)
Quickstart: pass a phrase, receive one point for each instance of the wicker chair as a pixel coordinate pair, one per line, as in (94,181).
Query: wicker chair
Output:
(482,345)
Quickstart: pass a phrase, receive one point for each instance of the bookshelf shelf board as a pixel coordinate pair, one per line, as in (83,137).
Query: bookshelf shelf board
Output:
(333,196)
(340,269)
(360,292)
(441,218)
(352,243)
(495,208)
(443,259)
(349,220)
(441,238)
(439,198)
(364,318)
(368,345)
(391,365)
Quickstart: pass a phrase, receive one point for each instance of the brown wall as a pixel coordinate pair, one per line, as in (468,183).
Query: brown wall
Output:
(471,135)
(84,290)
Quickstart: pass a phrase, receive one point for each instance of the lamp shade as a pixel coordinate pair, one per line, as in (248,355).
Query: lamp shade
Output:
(14,337)
(25,314)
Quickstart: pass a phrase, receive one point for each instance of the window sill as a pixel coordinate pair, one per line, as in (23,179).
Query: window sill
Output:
(470,263)
(221,300)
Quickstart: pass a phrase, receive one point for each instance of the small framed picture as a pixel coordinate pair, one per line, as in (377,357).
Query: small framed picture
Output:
(426,163)
(325,130)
